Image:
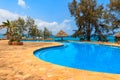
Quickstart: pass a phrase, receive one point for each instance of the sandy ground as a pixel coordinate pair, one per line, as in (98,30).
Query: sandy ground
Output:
(19,63)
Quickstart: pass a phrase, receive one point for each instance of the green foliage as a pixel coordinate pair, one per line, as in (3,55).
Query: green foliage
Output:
(32,28)
(10,28)
(46,33)
(115,11)
(39,33)
(30,24)
(90,18)
(115,5)
(21,25)
(18,28)
(34,32)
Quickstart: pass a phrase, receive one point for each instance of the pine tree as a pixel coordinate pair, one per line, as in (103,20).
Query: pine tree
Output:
(87,15)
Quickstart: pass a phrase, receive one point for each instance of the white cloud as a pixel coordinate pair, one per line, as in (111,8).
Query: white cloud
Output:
(22,3)
(5,14)
(52,26)
(66,21)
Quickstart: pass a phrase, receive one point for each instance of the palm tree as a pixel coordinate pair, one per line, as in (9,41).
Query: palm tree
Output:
(13,32)
(7,25)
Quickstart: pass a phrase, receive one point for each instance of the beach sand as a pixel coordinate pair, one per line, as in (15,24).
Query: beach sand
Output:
(19,63)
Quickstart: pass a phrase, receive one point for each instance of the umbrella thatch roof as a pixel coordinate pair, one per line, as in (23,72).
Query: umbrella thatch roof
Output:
(117,35)
(61,33)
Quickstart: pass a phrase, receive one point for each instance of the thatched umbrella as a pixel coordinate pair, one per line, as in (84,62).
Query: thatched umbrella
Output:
(117,36)
(61,34)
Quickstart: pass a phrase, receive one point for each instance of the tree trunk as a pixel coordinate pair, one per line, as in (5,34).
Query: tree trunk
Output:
(88,32)
(88,36)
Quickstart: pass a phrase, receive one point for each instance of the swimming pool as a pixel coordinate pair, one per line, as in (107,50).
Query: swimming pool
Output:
(83,56)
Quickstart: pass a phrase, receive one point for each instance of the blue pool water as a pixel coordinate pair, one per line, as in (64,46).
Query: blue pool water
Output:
(84,56)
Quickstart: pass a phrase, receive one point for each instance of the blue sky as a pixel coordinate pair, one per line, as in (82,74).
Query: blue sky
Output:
(53,14)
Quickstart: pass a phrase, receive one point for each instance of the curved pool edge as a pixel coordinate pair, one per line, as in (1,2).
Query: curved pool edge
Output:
(28,64)
(47,48)
(71,67)
(100,43)
(43,48)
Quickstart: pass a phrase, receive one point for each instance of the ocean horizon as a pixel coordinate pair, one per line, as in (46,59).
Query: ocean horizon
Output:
(2,36)
(110,38)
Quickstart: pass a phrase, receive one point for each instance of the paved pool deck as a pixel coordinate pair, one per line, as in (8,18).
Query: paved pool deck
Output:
(19,63)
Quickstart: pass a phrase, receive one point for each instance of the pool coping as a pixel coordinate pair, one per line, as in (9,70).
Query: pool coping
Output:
(20,63)
(71,67)
(43,48)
